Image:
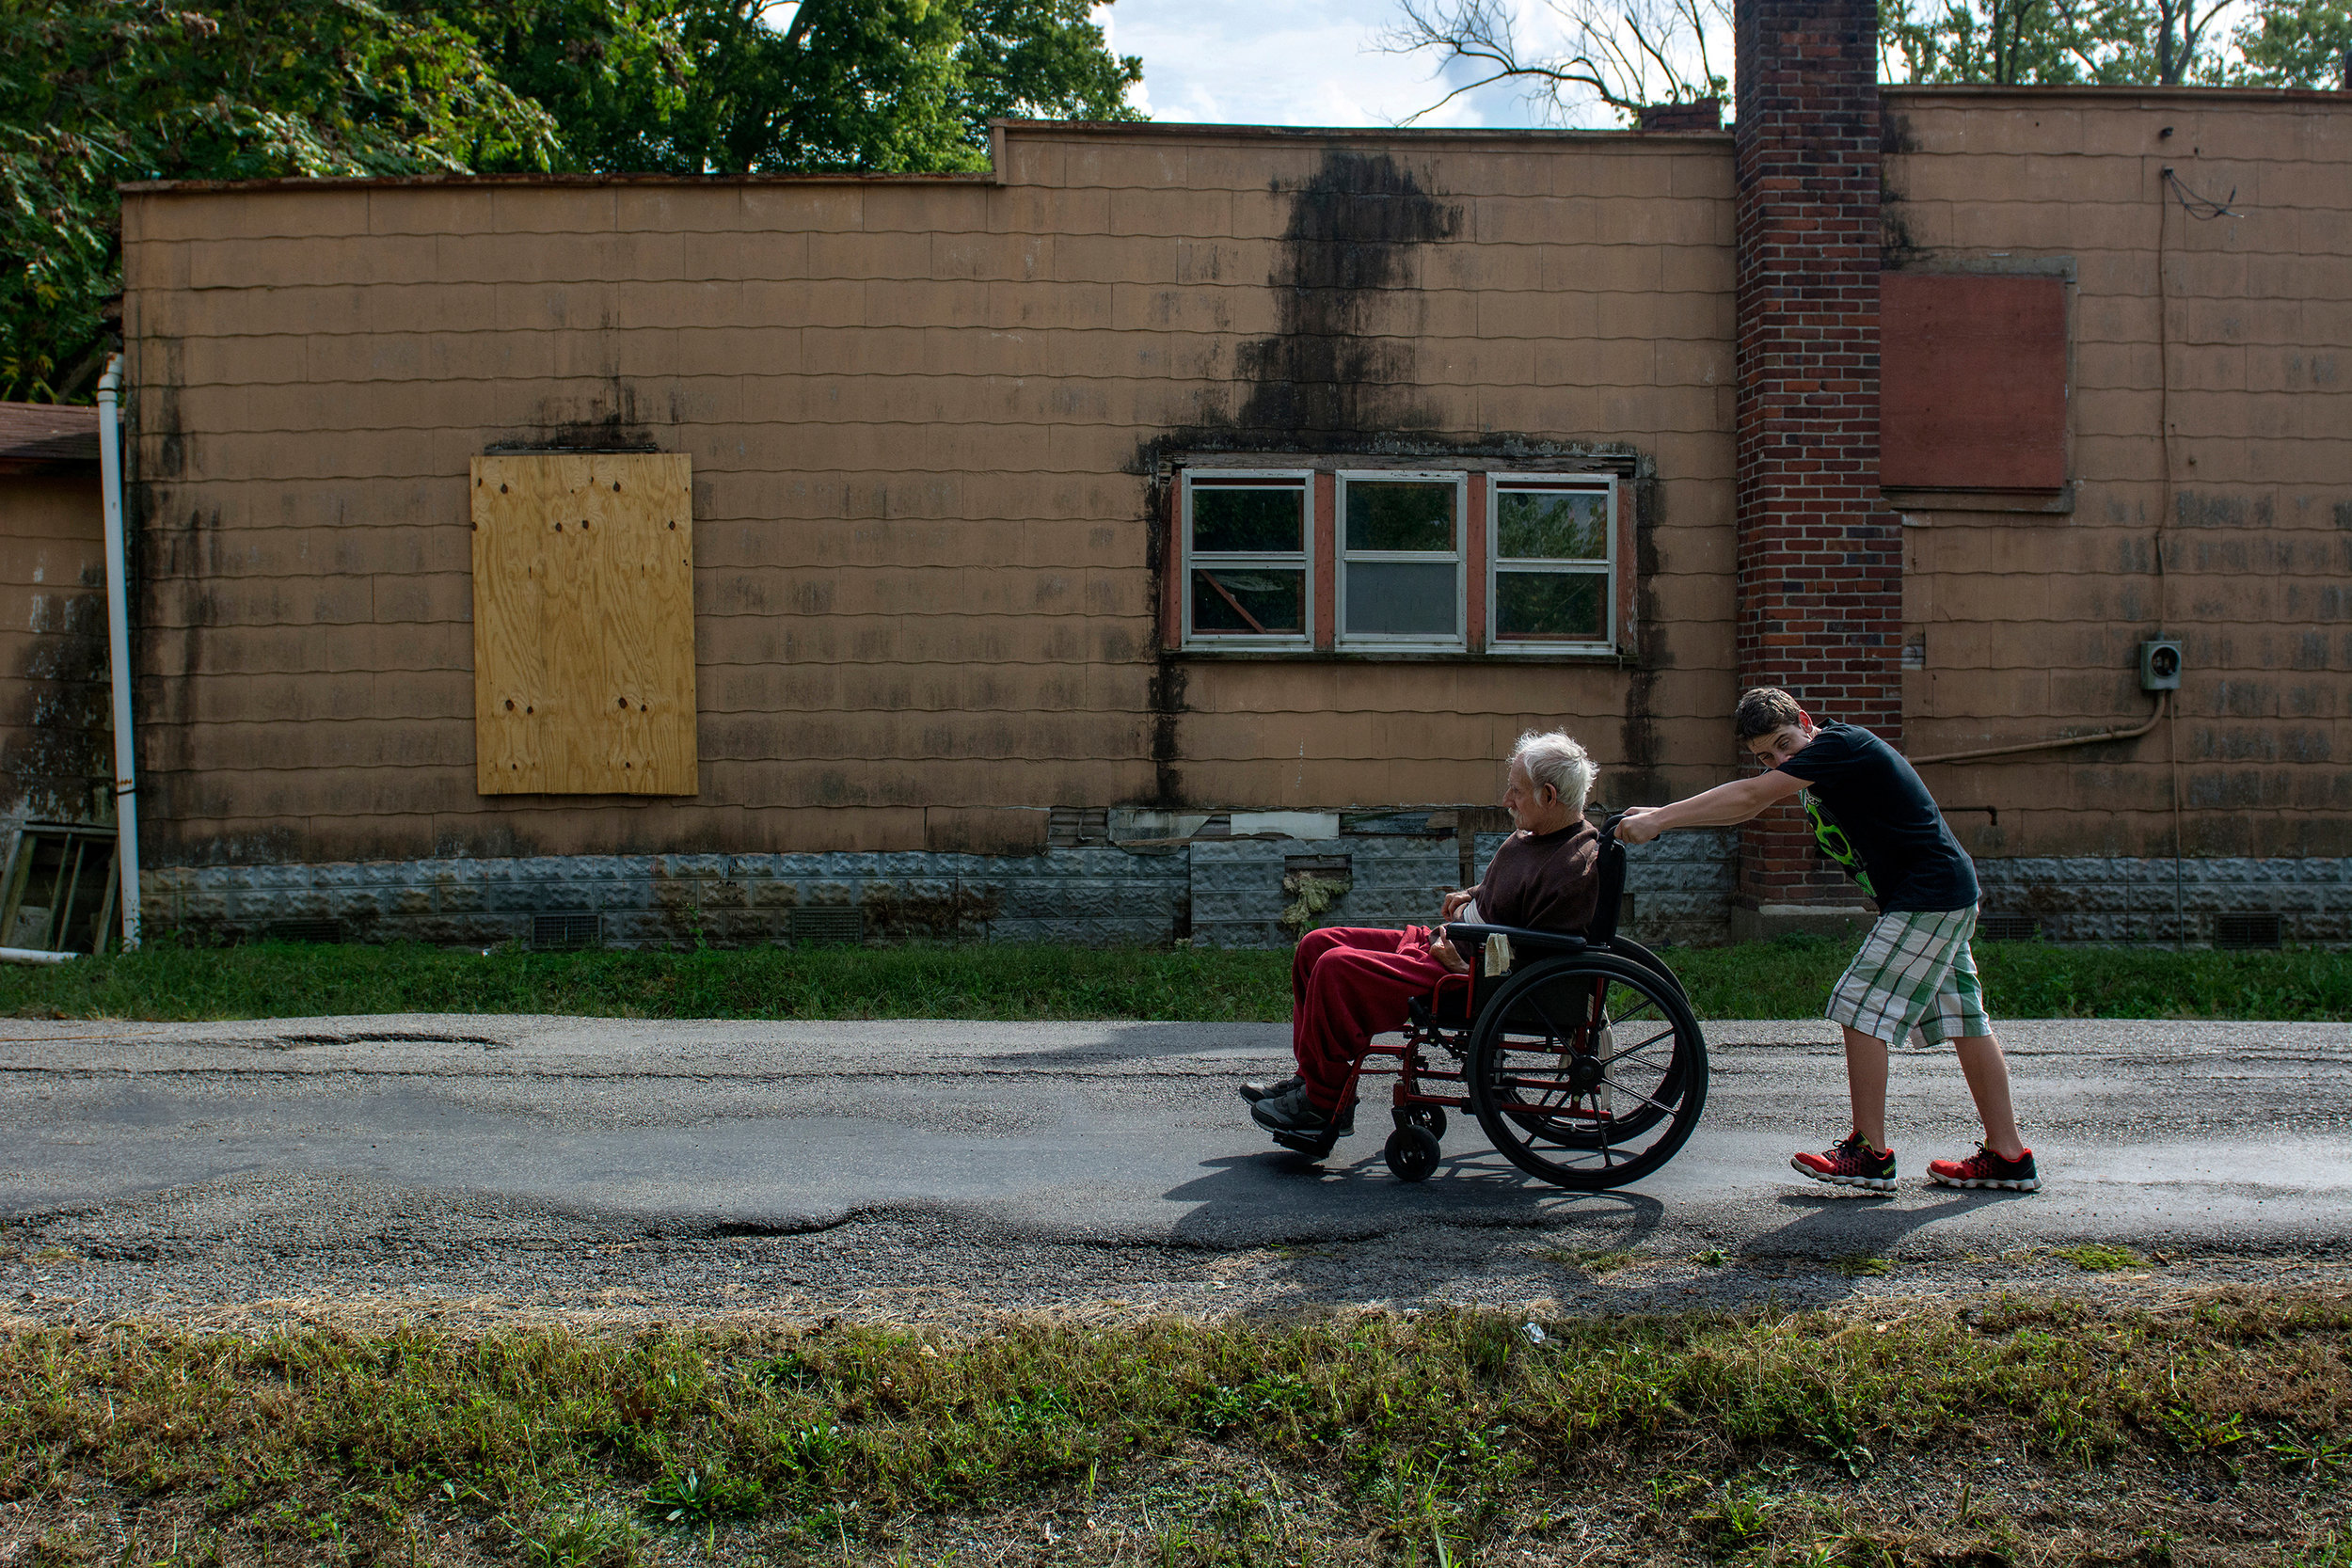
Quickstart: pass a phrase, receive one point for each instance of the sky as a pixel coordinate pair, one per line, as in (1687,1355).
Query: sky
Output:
(1299,62)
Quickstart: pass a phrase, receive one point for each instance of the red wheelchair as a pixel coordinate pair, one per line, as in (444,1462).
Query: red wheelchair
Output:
(1582,1062)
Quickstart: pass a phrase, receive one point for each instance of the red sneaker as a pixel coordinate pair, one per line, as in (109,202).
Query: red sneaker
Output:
(1986,1168)
(1851,1163)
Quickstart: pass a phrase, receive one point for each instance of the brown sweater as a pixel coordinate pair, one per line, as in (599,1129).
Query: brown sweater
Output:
(1547,883)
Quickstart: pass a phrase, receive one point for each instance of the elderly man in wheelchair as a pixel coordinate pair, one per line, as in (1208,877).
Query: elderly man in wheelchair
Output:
(1534,1011)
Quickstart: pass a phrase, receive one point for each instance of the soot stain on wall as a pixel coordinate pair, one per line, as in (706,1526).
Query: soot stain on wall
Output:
(1346,259)
(1327,379)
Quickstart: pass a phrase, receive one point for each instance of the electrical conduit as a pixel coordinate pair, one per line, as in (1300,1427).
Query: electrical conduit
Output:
(118,646)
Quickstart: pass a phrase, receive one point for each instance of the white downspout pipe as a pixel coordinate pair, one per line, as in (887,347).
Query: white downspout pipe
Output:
(119,645)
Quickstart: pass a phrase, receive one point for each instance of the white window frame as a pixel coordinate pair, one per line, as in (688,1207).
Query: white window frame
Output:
(1282,560)
(1402,641)
(1606,570)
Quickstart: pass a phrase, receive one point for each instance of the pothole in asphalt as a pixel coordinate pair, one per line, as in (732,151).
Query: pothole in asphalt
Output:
(393,1037)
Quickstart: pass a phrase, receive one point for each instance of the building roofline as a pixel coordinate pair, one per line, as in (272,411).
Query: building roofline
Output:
(2110,97)
(466,182)
(1152,129)
(1483,134)
(1119,129)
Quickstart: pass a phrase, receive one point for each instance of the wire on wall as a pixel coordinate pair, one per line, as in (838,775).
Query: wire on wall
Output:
(2170,189)
(2165,191)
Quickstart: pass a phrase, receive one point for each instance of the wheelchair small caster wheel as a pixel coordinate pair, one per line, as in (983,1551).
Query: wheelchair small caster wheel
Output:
(1431,1116)
(1412,1153)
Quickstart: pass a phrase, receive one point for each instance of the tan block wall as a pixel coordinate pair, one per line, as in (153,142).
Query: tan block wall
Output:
(2029,624)
(56,745)
(926,419)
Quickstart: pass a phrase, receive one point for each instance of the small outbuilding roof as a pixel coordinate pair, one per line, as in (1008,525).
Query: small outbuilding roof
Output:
(41,432)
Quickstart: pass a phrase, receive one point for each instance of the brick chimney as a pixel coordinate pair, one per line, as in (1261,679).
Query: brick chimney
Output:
(1820,565)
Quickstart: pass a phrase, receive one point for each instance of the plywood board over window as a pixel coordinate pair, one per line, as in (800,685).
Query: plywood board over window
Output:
(1972,382)
(583,624)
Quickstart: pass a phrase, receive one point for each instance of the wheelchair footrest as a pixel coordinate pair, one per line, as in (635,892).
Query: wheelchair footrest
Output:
(1313,1145)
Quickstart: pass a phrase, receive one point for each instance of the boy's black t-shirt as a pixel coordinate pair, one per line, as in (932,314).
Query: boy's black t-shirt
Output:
(1860,788)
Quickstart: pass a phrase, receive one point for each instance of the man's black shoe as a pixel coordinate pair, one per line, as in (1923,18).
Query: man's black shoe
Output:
(1291,1112)
(1254,1091)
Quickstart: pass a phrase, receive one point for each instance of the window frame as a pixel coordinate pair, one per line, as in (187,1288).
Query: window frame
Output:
(1608,570)
(1458,480)
(1303,641)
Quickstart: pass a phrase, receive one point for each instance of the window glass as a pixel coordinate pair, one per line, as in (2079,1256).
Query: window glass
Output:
(1247,569)
(1552,607)
(1248,520)
(1251,601)
(1552,525)
(1391,598)
(1400,516)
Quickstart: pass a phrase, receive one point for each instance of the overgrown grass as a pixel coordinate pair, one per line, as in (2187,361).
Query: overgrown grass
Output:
(1788,977)
(549,1446)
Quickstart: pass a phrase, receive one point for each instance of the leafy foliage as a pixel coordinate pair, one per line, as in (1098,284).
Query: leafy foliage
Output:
(95,92)
(2296,43)
(709,87)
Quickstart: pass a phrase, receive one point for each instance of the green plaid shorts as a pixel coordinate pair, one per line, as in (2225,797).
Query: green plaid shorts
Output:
(1914,970)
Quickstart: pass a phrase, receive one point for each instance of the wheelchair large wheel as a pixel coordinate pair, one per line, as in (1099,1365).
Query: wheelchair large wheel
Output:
(1588,1070)
(1625,948)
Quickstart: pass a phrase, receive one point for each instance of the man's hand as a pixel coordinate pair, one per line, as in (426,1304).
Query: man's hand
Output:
(1452,906)
(1632,829)
(1443,952)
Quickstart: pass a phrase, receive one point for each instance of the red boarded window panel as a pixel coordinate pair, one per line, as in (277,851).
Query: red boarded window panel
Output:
(1972,382)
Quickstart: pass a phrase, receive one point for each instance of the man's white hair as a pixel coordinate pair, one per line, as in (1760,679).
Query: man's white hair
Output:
(1556,760)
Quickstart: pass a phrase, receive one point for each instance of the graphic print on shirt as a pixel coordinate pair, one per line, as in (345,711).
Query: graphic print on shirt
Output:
(1834,843)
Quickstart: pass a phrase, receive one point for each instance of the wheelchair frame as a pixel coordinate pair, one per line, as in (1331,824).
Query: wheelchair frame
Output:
(1426,1089)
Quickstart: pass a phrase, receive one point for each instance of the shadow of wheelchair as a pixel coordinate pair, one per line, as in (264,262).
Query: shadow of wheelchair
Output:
(1274,1196)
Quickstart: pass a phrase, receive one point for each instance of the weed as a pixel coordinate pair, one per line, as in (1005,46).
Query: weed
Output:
(581,1537)
(2329,1549)
(2201,1432)
(1223,1408)
(1598,1261)
(1712,1258)
(2099,1258)
(1863,1265)
(698,1497)
(2318,1453)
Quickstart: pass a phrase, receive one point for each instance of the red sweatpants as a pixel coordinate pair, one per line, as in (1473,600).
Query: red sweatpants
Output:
(1349,983)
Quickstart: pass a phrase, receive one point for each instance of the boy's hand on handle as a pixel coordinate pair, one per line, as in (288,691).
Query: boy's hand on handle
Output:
(1634,826)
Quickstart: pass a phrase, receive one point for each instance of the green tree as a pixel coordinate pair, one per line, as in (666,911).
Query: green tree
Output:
(93,92)
(709,87)
(2108,42)
(2296,43)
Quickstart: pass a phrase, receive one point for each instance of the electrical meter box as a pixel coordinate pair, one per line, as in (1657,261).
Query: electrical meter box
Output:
(2160,665)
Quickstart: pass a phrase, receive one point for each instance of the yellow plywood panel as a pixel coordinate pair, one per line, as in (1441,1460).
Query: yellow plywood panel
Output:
(583,624)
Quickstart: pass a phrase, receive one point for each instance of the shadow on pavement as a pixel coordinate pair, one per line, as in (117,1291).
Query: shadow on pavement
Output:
(1276,1197)
(1836,1226)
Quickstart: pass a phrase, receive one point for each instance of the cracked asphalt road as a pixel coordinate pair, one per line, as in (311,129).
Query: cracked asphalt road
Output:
(664,1168)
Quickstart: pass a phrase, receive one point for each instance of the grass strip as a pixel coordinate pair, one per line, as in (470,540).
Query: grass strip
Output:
(1788,977)
(1384,1434)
